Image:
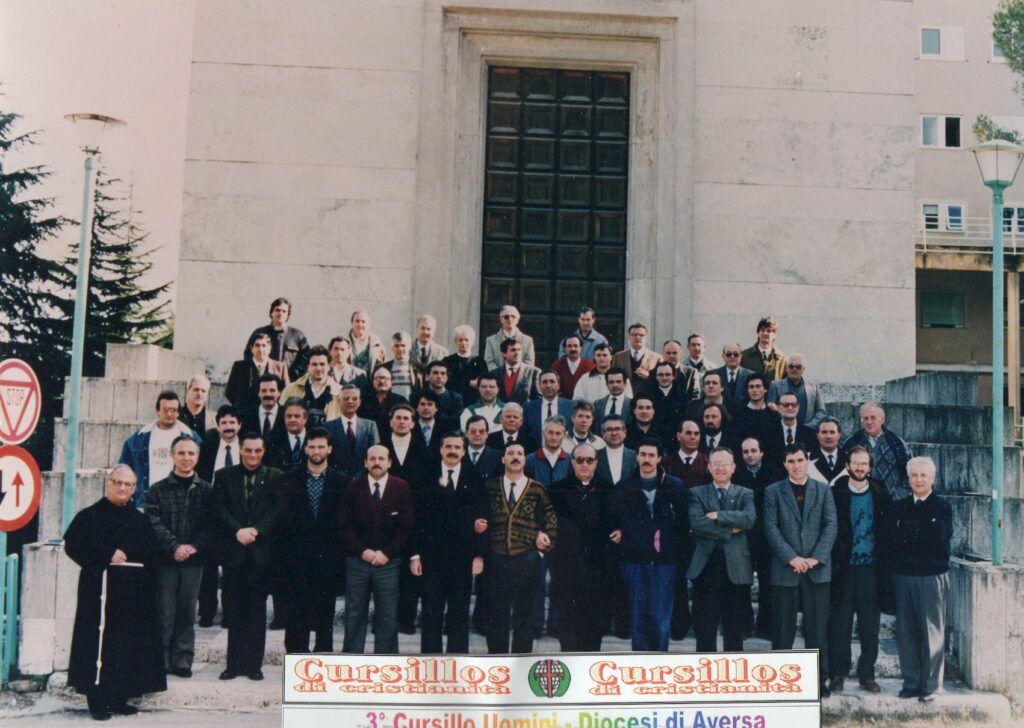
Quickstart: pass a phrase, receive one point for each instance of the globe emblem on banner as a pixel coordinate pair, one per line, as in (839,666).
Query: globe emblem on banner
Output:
(549,678)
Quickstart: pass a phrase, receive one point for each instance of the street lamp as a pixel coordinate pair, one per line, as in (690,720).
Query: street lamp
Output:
(90,128)
(998,162)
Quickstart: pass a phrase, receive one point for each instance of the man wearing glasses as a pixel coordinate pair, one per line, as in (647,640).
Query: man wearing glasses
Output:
(734,377)
(788,430)
(812,404)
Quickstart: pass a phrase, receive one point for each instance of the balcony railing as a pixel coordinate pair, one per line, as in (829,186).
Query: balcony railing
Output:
(966,235)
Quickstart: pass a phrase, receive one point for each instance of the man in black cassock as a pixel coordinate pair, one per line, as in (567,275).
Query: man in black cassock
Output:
(116,614)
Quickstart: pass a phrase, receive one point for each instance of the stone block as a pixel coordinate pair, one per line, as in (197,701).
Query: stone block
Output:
(935,423)
(145,361)
(967,468)
(38,607)
(986,625)
(64,612)
(972,534)
(89,485)
(952,388)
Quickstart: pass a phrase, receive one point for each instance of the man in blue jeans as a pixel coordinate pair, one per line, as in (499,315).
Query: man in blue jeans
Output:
(376,522)
(652,528)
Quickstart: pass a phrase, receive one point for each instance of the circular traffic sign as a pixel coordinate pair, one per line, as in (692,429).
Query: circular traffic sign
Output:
(20,486)
(20,401)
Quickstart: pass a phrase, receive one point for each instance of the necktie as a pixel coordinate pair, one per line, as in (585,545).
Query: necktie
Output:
(295,448)
(451,481)
(376,492)
(248,487)
(509,440)
(266,426)
(228,459)
(549,411)
(732,378)
(426,433)
(687,460)
(789,435)
(423,355)
(711,443)
(721,496)
(764,356)
(612,410)
(473,457)
(512,496)
(350,434)
(831,462)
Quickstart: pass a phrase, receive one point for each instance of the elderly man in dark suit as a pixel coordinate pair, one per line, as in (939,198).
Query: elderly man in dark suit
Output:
(800,525)
(812,404)
(721,514)
(538,411)
(351,434)
(247,512)
(734,378)
(637,360)
(309,545)
(376,522)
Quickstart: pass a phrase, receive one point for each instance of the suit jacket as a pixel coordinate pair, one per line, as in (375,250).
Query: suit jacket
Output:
(280,454)
(735,396)
(242,389)
(584,522)
(417,465)
(648,360)
(773,368)
(623,408)
(790,532)
(496,440)
(493,357)
(435,352)
(208,454)
(385,526)
(775,441)
(737,511)
(350,457)
(307,546)
(379,413)
(444,523)
(527,384)
(820,464)
(566,378)
(604,470)
(670,408)
(449,409)
(252,421)
(488,465)
(815,411)
(233,511)
(535,414)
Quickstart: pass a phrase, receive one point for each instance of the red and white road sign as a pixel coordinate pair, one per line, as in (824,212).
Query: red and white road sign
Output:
(20,486)
(20,401)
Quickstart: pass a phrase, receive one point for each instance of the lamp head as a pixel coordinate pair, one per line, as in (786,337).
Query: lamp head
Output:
(998,161)
(91,128)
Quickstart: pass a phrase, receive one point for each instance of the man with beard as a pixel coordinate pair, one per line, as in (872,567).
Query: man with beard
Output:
(315,388)
(860,573)
(713,435)
(376,523)
(310,546)
(378,405)
(117,549)
(521,525)
(579,566)
(641,425)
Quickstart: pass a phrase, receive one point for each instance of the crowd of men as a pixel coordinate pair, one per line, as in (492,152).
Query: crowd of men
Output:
(642,491)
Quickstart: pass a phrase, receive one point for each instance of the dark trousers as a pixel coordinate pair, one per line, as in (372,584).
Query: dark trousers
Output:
(814,598)
(682,617)
(716,600)
(408,601)
(481,620)
(362,580)
(208,589)
(578,592)
(511,587)
(921,630)
(762,556)
(855,591)
(446,583)
(620,617)
(245,597)
(311,610)
(177,593)
(650,590)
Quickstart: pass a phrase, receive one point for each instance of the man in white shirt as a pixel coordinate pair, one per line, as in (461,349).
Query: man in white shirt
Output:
(489,406)
(695,347)
(593,386)
(615,461)
(148,451)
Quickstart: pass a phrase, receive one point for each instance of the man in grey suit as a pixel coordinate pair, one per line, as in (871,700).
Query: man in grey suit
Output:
(424,348)
(812,404)
(734,378)
(351,435)
(721,513)
(509,317)
(517,380)
(801,527)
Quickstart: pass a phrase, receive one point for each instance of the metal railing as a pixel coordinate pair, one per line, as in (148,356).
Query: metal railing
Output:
(966,235)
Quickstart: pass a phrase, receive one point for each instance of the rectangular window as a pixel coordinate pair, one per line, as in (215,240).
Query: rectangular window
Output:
(1013,219)
(943,216)
(942,310)
(940,131)
(942,43)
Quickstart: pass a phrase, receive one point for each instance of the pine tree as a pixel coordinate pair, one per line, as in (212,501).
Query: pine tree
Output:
(119,310)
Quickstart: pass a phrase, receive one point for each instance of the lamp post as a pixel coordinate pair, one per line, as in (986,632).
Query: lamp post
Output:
(91,128)
(998,162)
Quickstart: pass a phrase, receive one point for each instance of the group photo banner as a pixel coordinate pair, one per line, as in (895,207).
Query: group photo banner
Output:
(595,690)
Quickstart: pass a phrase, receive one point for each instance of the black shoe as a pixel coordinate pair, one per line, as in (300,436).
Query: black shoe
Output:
(101,714)
(927,698)
(204,623)
(871,686)
(836,684)
(825,692)
(183,672)
(124,709)
(228,675)
(258,675)
(908,693)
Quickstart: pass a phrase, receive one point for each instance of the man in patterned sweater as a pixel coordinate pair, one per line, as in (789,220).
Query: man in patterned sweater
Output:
(522,526)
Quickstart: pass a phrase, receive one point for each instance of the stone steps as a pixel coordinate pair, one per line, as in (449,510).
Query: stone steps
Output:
(127,400)
(951,388)
(933,423)
(972,515)
(967,468)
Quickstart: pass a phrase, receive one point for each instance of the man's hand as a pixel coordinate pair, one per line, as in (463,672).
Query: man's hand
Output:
(642,372)
(245,536)
(772,406)
(615,536)
(416,567)
(543,542)
(118,557)
(799,564)
(478,566)
(737,530)
(480,525)
(184,552)
(811,562)
(367,556)
(379,559)
(712,516)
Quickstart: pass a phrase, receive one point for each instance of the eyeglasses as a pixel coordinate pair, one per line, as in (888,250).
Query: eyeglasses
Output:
(730,354)
(794,366)
(614,428)
(584,461)
(789,404)
(122,483)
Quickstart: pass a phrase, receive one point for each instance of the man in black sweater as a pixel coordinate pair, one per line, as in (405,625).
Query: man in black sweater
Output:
(917,535)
